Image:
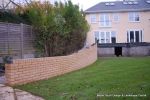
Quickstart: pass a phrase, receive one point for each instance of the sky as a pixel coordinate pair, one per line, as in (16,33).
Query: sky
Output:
(85,4)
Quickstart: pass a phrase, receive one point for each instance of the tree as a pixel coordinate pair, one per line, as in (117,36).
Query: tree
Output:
(59,30)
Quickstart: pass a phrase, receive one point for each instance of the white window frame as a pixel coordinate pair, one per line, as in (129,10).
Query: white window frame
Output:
(95,34)
(134,41)
(104,21)
(114,15)
(110,35)
(100,32)
(93,19)
(134,16)
(114,35)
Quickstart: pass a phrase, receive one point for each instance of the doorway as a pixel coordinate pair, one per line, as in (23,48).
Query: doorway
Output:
(118,51)
(134,36)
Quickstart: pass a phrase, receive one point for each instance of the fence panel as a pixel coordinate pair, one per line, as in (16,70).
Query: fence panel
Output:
(16,40)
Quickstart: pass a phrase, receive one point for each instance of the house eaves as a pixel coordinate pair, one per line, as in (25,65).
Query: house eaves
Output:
(116,11)
(119,6)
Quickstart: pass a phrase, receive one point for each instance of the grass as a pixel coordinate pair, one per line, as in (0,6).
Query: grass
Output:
(107,76)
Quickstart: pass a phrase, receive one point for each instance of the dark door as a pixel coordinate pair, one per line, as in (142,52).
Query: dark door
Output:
(131,36)
(113,39)
(118,51)
(137,36)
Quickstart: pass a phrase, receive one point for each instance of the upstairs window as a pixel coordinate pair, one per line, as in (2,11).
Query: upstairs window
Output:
(134,17)
(105,20)
(93,18)
(116,17)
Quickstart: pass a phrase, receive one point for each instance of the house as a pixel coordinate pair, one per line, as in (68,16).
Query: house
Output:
(119,25)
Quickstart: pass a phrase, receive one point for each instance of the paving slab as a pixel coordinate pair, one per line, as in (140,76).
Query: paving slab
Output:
(2,79)
(22,95)
(1,85)
(8,93)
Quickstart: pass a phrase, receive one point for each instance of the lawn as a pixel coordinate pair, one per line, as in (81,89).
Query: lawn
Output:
(106,79)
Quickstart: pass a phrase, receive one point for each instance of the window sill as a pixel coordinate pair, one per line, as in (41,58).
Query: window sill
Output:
(116,21)
(134,21)
(93,22)
(105,26)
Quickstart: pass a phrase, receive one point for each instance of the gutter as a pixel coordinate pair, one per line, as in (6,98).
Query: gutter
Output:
(123,10)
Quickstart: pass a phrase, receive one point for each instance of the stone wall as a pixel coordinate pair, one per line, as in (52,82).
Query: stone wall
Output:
(126,51)
(136,51)
(33,69)
(104,52)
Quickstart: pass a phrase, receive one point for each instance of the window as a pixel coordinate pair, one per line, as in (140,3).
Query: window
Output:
(113,37)
(137,37)
(134,36)
(134,17)
(105,20)
(102,36)
(131,36)
(116,17)
(105,37)
(93,18)
(96,34)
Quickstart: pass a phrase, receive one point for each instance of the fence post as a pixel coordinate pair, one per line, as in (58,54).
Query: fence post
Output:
(8,27)
(21,38)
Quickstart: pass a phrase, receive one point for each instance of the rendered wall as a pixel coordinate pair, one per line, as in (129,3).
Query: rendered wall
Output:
(121,26)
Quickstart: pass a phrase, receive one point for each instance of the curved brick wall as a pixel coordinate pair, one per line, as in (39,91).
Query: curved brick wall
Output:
(29,70)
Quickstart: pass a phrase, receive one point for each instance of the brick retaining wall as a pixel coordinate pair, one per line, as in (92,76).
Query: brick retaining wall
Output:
(29,70)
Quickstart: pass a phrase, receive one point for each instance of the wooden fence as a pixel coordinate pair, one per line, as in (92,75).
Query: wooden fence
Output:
(16,40)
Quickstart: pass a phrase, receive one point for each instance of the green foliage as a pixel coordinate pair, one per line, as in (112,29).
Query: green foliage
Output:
(11,17)
(59,29)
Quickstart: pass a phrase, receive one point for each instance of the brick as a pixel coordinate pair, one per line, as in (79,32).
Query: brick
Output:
(23,71)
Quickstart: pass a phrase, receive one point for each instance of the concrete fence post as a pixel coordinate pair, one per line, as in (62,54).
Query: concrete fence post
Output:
(21,39)
(8,48)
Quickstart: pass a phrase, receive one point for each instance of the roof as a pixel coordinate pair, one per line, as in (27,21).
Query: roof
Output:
(120,6)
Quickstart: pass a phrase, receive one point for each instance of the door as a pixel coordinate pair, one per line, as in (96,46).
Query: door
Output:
(131,36)
(118,51)
(134,36)
(137,36)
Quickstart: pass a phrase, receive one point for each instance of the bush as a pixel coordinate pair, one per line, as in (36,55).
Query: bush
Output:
(59,30)
(11,17)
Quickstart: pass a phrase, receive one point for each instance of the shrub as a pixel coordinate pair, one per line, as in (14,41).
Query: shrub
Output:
(59,29)
(12,17)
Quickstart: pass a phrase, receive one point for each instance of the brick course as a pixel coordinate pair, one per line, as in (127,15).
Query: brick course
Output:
(23,71)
